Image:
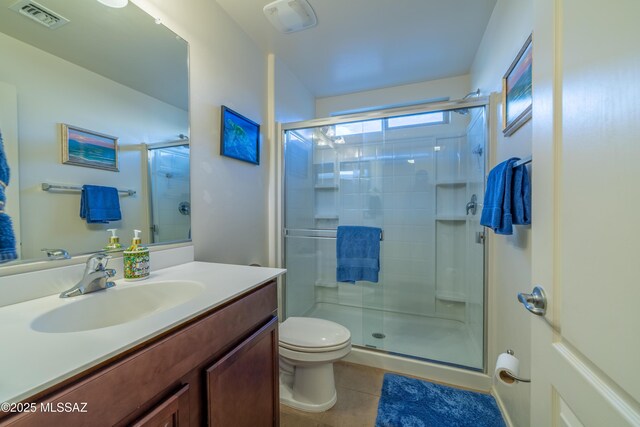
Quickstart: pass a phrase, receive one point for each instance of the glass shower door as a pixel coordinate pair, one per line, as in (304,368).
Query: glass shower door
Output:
(413,176)
(170,207)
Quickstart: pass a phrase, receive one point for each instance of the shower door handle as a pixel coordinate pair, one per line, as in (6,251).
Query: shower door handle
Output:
(472,205)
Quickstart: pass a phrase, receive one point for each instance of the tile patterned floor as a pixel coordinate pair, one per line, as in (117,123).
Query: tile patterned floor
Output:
(358,390)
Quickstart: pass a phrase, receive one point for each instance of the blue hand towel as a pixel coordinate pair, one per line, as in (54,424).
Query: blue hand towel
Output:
(496,212)
(521,200)
(99,204)
(7,236)
(358,253)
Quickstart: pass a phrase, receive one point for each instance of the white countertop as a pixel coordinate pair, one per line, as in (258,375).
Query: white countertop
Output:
(32,361)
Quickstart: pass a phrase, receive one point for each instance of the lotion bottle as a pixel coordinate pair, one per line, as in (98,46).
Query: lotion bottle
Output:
(114,241)
(136,259)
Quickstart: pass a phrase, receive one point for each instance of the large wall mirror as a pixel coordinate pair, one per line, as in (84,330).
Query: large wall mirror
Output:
(117,72)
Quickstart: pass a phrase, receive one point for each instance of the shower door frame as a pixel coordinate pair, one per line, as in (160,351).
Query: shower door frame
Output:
(147,149)
(430,107)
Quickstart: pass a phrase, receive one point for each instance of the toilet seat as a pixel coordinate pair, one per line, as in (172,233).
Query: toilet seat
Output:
(314,349)
(309,335)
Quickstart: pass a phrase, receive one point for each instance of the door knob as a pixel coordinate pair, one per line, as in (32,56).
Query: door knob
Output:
(535,302)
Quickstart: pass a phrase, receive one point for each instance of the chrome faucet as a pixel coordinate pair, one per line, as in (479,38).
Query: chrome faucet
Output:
(57,253)
(94,278)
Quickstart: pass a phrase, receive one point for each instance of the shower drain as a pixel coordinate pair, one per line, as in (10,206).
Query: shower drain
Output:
(378,335)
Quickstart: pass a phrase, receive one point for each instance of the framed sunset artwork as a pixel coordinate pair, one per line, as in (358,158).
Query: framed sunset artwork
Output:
(517,96)
(82,147)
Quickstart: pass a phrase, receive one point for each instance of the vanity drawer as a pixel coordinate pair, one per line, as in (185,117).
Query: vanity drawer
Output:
(131,385)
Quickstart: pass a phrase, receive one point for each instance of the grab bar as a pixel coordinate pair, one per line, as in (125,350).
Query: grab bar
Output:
(286,232)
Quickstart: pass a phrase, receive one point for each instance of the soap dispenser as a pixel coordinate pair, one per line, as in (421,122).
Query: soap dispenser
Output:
(136,259)
(114,241)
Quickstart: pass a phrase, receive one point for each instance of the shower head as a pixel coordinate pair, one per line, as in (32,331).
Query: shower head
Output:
(465,111)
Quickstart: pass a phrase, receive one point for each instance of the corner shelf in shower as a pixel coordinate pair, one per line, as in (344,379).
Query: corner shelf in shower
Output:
(451,182)
(326,283)
(328,216)
(460,218)
(452,297)
(327,187)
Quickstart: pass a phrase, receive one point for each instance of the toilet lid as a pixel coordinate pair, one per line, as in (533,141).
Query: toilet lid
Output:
(307,332)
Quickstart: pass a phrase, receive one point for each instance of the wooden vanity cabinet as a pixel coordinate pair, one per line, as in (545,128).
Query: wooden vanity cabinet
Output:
(220,369)
(238,383)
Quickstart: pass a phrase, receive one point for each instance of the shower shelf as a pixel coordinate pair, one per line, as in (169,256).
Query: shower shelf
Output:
(451,182)
(326,187)
(327,217)
(443,296)
(326,284)
(451,218)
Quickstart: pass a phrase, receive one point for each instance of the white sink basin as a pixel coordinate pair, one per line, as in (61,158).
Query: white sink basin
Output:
(115,306)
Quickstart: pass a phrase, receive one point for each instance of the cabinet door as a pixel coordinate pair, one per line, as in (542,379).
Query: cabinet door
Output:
(172,412)
(242,387)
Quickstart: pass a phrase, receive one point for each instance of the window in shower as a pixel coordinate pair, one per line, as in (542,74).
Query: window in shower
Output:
(436,118)
(412,176)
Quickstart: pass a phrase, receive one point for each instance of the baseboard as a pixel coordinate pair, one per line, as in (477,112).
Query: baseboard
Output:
(503,409)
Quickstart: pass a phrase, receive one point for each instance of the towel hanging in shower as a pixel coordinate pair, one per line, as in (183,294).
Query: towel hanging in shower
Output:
(358,253)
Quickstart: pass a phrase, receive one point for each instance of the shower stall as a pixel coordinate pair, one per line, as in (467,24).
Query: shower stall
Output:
(169,194)
(417,173)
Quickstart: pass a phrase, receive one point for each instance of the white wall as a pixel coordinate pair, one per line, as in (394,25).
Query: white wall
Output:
(293,101)
(509,256)
(228,197)
(449,88)
(73,95)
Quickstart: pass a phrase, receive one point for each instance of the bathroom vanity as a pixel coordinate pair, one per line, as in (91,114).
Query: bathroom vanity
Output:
(209,360)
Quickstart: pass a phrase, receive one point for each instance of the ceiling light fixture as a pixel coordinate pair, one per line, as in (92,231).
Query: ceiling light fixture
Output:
(114,3)
(289,16)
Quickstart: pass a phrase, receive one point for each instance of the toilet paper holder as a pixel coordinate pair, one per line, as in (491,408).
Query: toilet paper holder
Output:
(510,375)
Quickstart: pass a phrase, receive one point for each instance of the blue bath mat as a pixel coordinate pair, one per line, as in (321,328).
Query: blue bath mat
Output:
(409,402)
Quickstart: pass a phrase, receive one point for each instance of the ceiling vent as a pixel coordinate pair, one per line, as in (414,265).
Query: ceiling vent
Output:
(289,16)
(39,13)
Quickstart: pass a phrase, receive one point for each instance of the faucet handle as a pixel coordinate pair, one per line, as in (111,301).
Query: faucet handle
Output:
(97,262)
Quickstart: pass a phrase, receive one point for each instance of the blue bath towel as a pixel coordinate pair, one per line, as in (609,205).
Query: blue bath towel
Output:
(99,204)
(7,236)
(521,200)
(358,253)
(496,212)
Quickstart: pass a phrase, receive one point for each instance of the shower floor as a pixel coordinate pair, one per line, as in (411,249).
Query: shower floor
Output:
(442,340)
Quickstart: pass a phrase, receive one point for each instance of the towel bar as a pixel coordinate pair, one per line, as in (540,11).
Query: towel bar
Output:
(521,162)
(48,187)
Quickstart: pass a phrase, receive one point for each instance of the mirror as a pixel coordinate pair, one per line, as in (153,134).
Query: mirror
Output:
(107,71)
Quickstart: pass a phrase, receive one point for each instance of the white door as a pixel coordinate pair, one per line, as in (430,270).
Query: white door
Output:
(586,211)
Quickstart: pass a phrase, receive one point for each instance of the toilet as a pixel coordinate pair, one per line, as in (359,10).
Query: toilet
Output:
(308,348)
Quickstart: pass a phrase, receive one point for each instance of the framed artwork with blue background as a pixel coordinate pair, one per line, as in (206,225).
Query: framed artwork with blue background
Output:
(517,91)
(240,137)
(82,147)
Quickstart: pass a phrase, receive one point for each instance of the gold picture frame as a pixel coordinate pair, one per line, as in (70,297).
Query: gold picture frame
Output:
(517,90)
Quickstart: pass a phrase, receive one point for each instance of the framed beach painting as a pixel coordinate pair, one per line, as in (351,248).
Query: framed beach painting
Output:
(517,91)
(240,137)
(82,147)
